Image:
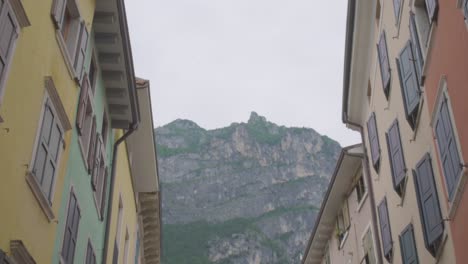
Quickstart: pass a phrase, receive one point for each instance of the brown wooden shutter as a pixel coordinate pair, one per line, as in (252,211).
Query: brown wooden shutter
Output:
(81,51)
(82,106)
(384,63)
(408,79)
(432,6)
(448,150)
(58,11)
(395,154)
(428,202)
(385,230)
(408,246)
(417,52)
(373,140)
(92,146)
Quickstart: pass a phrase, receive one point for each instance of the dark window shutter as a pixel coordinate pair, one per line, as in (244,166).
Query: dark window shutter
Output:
(92,146)
(408,246)
(396,9)
(82,105)
(81,51)
(71,230)
(385,230)
(384,63)
(97,163)
(432,7)
(373,140)
(465,9)
(58,11)
(428,202)
(395,153)
(408,79)
(448,151)
(416,44)
(9,31)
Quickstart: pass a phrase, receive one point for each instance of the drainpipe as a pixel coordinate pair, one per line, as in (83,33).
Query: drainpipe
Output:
(133,127)
(371,191)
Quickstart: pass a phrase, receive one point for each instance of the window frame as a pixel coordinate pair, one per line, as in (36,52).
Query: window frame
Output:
(45,201)
(386,83)
(342,233)
(89,112)
(408,228)
(8,60)
(374,139)
(365,258)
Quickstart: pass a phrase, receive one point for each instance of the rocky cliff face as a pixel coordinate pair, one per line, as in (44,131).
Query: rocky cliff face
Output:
(247,193)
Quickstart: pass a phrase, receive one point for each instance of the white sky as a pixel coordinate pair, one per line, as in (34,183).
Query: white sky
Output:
(215,61)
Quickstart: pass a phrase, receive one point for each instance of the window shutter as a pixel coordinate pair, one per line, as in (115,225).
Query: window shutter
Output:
(396,9)
(432,7)
(82,105)
(465,9)
(395,153)
(385,230)
(81,51)
(408,79)
(373,140)
(58,11)
(384,63)
(104,193)
(346,220)
(448,151)
(408,246)
(9,30)
(71,230)
(92,146)
(416,44)
(97,163)
(431,217)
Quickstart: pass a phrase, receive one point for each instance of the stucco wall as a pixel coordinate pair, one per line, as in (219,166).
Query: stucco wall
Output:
(37,55)
(402,211)
(449,56)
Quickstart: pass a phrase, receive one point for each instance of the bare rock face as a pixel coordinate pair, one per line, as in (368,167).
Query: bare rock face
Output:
(247,193)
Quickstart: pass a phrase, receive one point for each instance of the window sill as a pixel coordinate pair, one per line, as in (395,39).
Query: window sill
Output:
(343,240)
(361,203)
(458,193)
(65,54)
(40,197)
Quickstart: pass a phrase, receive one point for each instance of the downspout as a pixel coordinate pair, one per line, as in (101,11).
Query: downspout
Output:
(371,191)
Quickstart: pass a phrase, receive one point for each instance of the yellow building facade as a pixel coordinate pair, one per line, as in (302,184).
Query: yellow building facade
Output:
(38,94)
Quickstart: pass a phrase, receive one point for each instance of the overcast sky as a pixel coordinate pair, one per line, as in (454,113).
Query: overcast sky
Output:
(215,61)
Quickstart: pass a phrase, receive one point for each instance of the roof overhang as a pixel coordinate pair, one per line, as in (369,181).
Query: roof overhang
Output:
(348,164)
(115,60)
(149,205)
(359,42)
(142,146)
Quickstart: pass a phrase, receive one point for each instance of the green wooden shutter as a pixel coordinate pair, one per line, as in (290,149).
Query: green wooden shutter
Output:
(408,246)
(428,201)
(395,154)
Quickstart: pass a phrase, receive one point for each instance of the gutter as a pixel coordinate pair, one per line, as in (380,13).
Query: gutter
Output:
(348,56)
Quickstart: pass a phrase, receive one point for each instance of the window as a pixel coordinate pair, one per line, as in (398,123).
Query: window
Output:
(9,30)
(373,140)
(73,35)
(465,9)
(428,202)
(423,22)
(90,255)
(360,188)
(343,223)
(71,230)
(447,146)
(92,74)
(115,255)
(105,130)
(384,63)
(368,246)
(4,259)
(396,9)
(397,160)
(408,246)
(432,6)
(385,230)
(417,50)
(99,163)
(86,124)
(99,177)
(409,83)
(48,150)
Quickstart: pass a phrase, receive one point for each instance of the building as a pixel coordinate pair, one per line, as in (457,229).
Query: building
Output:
(41,66)
(445,82)
(384,99)
(134,227)
(344,231)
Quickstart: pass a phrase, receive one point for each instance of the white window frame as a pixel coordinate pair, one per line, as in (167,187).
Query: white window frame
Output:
(363,234)
(44,202)
(442,93)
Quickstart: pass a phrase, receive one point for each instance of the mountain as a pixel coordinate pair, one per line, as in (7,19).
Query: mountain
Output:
(247,193)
